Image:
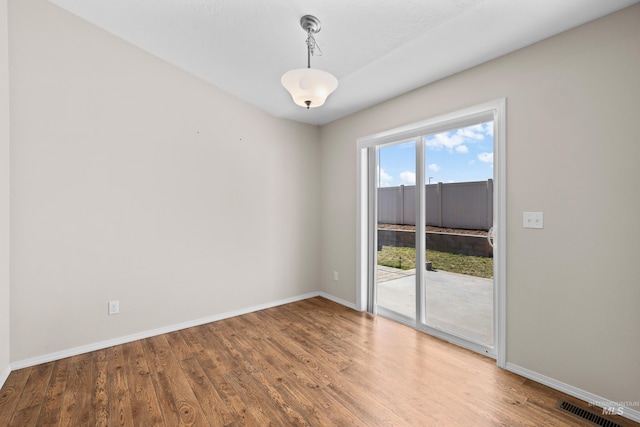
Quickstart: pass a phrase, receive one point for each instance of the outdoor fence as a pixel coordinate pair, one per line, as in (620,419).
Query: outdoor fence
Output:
(467,205)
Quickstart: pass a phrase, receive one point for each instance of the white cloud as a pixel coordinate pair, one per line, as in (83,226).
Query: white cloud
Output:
(408,177)
(488,128)
(472,132)
(384,179)
(434,167)
(486,157)
(444,140)
(455,140)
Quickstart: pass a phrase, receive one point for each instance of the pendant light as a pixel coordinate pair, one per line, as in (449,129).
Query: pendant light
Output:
(309,87)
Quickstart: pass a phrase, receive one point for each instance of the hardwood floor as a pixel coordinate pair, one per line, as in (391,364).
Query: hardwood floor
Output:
(312,362)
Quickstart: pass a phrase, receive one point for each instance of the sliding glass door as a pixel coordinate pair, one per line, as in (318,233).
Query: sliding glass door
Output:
(458,207)
(430,219)
(396,259)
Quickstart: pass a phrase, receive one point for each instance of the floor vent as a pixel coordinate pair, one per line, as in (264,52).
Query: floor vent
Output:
(590,416)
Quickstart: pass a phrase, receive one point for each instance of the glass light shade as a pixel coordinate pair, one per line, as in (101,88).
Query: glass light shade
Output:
(309,84)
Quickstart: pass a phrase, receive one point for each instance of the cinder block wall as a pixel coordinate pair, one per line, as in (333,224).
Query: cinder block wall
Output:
(463,244)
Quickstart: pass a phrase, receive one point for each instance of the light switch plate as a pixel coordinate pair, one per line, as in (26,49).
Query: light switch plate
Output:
(532,220)
(114,307)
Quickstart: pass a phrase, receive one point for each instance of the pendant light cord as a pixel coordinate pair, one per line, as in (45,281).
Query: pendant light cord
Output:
(310,42)
(312,46)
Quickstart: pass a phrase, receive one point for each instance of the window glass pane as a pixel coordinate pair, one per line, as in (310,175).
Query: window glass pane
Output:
(396,255)
(459,214)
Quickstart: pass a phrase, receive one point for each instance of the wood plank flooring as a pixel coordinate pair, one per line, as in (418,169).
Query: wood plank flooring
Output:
(309,363)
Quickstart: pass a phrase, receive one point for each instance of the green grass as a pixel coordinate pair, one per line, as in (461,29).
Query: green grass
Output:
(405,258)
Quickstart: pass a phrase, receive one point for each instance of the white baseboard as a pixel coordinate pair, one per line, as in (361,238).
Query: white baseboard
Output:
(590,398)
(151,333)
(338,300)
(5,375)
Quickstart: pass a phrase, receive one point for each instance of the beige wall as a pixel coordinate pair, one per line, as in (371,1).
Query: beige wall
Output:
(573,288)
(4,191)
(132,180)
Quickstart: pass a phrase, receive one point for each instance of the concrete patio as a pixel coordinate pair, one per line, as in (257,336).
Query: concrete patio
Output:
(459,304)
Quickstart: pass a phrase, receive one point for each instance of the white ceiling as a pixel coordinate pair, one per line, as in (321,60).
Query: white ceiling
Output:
(377,49)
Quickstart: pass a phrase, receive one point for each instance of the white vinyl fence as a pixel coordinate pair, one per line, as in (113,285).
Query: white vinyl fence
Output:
(467,205)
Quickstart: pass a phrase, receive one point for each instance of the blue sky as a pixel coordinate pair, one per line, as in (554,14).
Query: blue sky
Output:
(460,155)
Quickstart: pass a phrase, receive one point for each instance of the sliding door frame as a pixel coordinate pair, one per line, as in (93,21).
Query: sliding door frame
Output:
(366,234)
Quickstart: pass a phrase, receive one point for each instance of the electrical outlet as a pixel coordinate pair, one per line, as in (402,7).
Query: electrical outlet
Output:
(114,307)
(335,275)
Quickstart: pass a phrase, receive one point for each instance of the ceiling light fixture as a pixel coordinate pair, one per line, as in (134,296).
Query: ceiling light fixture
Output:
(309,87)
